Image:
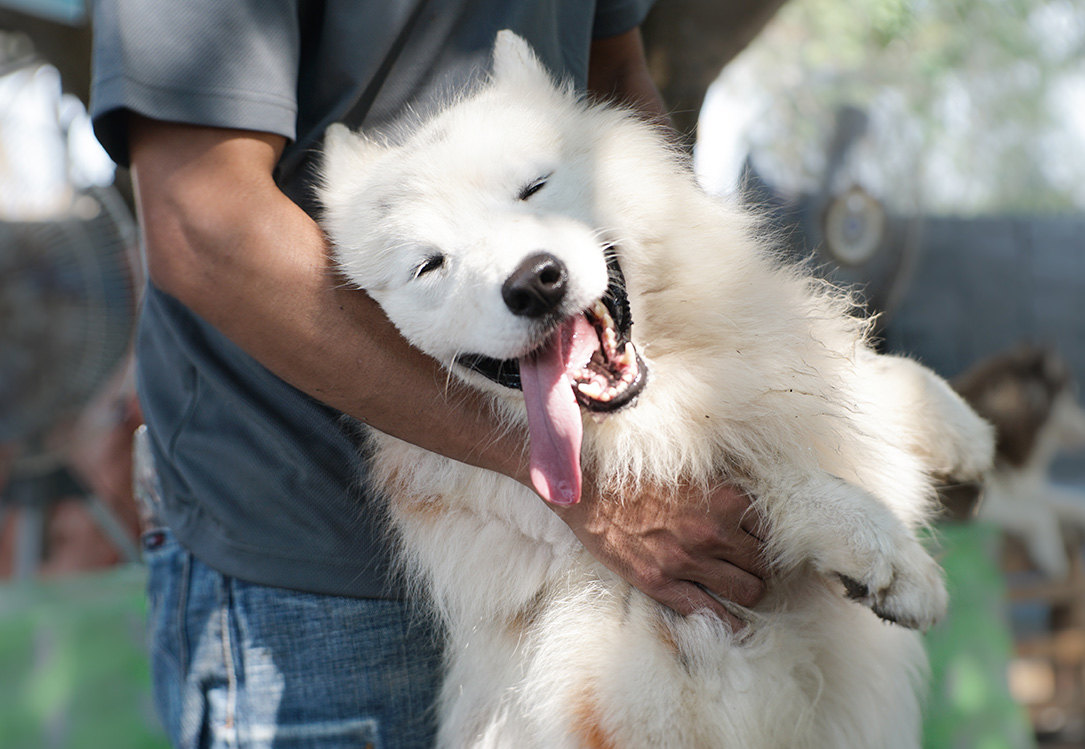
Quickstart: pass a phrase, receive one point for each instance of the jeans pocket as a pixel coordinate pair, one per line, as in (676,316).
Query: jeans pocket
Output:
(167,573)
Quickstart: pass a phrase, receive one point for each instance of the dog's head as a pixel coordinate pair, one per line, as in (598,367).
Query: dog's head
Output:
(477,232)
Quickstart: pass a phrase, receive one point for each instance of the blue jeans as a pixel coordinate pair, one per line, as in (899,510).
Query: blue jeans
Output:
(237,664)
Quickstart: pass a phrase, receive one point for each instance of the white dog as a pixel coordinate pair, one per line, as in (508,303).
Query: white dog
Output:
(515,237)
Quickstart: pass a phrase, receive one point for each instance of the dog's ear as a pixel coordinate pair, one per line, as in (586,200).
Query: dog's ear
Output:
(345,155)
(515,62)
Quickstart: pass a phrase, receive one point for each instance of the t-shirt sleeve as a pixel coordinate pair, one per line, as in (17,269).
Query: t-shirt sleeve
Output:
(220,63)
(613,17)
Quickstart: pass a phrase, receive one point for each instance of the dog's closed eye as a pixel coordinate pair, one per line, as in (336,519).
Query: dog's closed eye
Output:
(533,187)
(430,264)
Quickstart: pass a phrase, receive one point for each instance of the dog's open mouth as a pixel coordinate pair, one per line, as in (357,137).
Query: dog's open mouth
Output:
(614,373)
(609,377)
(587,360)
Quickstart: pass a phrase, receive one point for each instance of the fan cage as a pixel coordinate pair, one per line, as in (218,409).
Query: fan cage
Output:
(68,296)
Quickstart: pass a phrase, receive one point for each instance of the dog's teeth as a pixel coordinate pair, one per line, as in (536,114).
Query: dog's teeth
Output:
(610,339)
(600,312)
(591,389)
(628,356)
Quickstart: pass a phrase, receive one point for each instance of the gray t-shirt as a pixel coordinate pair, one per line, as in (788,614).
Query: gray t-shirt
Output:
(259,480)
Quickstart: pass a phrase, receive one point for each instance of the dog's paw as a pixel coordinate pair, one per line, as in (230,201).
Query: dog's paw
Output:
(938,425)
(848,534)
(904,587)
(964,450)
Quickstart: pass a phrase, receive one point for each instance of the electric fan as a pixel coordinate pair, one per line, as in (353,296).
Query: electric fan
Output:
(68,295)
(67,301)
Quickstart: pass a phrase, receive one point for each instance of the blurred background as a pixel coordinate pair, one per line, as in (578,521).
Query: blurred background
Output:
(932,153)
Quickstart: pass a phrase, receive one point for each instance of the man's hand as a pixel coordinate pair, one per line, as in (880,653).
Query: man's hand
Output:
(674,545)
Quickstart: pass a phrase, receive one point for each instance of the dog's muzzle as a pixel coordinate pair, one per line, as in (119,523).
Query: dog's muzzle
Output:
(615,374)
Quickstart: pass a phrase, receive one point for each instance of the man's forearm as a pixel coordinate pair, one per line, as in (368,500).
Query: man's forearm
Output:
(617,70)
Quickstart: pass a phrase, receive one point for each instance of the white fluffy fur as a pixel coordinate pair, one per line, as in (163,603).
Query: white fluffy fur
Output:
(757,372)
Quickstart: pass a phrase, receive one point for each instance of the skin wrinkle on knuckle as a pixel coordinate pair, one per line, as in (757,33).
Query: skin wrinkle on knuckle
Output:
(707,536)
(748,594)
(678,563)
(651,580)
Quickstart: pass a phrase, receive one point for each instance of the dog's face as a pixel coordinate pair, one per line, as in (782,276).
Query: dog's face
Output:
(478,236)
(438,230)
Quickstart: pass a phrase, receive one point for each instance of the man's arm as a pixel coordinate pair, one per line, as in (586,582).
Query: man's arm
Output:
(224,240)
(617,71)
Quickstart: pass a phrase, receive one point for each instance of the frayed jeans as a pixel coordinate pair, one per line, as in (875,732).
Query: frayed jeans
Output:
(242,665)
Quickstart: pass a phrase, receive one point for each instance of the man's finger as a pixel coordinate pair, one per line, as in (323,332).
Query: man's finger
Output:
(752,557)
(729,582)
(753,523)
(688,598)
(731,503)
(742,549)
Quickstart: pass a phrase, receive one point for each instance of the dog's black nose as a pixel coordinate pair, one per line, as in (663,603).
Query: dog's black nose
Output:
(536,287)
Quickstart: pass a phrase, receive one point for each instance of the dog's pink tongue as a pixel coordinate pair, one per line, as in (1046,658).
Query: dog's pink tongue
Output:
(553,416)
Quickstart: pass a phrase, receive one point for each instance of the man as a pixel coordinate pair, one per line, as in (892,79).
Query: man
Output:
(276,614)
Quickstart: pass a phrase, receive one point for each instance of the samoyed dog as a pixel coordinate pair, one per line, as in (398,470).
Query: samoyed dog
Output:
(557,255)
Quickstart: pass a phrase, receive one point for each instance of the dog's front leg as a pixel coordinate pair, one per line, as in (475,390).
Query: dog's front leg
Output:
(848,534)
